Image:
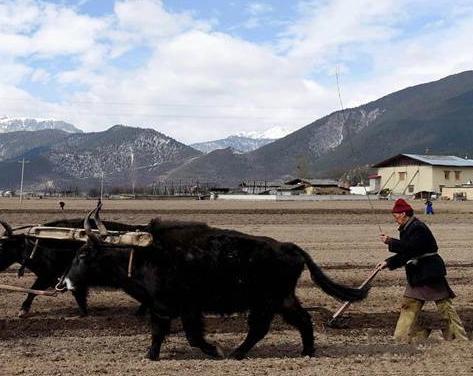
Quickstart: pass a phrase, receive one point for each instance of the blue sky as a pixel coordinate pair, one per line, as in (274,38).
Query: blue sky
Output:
(200,70)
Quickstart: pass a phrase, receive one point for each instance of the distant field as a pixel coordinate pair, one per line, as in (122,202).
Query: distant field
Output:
(189,204)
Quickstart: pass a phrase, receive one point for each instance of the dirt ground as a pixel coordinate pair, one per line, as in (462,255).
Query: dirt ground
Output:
(341,236)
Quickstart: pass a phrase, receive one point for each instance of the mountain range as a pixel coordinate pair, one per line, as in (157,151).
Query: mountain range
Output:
(27,124)
(437,116)
(123,154)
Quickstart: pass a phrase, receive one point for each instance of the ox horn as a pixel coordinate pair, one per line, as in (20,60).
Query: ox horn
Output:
(8,228)
(102,229)
(88,227)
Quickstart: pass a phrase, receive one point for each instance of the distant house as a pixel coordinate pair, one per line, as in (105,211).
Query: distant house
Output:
(312,187)
(261,187)
(415,174)
(374,183)
(460,193)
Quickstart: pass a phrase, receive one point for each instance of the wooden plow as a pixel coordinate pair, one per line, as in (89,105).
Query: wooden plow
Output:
(333,321)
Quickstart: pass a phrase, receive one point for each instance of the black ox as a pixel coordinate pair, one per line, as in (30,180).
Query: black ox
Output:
(192,269)
(51,259)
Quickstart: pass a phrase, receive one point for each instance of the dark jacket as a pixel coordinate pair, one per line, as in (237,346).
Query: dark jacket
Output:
(415,241)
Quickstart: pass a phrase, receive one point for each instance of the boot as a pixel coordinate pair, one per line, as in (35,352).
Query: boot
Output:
(455,329)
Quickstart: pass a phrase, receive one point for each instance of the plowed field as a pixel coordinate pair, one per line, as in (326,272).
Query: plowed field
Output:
(341,236)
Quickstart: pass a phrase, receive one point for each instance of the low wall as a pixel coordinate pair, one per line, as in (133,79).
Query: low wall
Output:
(247,197)
(324,198)
(296,197)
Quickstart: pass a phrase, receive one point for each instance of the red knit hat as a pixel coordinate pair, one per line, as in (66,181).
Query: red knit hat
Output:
(401,206)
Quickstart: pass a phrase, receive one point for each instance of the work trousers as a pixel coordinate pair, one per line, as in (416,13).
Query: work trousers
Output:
(407,328)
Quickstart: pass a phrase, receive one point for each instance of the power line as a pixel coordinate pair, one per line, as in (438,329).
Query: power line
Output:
(180,116)
(160,104)
(228,116)
(351,142)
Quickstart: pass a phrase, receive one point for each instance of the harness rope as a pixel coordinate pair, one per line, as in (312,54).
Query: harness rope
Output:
(130,262)
(21,270)
(29,291)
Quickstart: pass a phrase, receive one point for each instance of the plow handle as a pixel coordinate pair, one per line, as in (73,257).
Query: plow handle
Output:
(345,305)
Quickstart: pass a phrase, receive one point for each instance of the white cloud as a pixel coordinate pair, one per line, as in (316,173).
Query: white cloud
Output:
(258,8)
(40,75)
(149,20)
(259,15)
(19,15)
(428,55)
(197,83)
(12,73)
(325,28)
(64,32)
(13,45)
(229,85)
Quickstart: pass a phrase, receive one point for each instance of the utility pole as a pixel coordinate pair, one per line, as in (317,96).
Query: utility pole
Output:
(22,175)
(132,170)
(101,187)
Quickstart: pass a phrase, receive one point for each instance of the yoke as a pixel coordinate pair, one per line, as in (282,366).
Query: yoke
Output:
(132,239)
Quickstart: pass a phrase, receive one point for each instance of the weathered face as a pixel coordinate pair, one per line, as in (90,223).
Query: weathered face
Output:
(400,218)
(11,250)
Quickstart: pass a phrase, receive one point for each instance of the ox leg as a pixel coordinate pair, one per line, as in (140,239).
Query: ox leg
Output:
(138,293)
(294,314)
(194,329)
(159,330)
(259,322)
(81,298)
(39,284)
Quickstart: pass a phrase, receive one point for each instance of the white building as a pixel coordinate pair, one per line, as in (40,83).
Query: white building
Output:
(360,190)
(408,174)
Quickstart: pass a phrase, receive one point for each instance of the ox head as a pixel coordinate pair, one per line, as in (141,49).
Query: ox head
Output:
(11,246)
(96,260)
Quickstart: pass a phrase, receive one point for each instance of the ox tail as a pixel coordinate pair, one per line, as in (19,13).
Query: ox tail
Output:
(330,287)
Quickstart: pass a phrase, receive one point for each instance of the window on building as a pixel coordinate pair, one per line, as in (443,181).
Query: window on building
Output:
(402,175)
(410,188)
(457,175)
(441,187)
(447,175)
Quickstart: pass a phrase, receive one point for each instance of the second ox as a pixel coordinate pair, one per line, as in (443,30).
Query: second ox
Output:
(191,269)
(49,259)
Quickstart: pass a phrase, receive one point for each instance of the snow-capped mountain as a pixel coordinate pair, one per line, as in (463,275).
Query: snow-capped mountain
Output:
(28,124)
(273,133)
(237,143)
(245,141)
